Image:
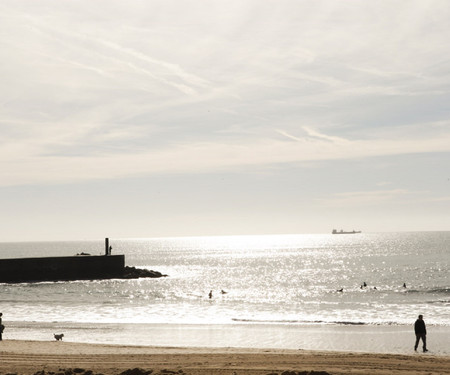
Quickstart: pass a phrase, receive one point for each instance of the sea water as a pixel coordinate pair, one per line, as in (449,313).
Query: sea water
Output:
(327,292)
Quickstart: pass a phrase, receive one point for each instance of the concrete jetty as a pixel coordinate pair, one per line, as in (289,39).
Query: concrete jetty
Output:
(79,267)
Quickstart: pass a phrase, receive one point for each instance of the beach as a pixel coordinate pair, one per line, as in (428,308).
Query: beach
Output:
(282,309)
(47,357)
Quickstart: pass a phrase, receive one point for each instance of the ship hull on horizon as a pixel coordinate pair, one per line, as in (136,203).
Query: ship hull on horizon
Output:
(343,232)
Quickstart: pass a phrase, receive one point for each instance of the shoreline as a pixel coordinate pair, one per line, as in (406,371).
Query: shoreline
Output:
(28,357)
(342,338)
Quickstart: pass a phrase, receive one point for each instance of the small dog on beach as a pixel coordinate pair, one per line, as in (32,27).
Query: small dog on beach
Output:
(58,337)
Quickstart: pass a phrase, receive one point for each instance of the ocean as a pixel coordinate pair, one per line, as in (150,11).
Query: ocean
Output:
(276,291)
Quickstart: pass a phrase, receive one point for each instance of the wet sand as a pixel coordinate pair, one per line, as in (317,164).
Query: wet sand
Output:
(67,358)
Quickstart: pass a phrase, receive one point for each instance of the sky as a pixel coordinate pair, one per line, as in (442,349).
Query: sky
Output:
(132,119)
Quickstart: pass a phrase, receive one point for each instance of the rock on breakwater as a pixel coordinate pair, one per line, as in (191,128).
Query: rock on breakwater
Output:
(135,273)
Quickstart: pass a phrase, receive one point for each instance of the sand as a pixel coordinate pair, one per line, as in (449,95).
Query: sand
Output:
(68,358)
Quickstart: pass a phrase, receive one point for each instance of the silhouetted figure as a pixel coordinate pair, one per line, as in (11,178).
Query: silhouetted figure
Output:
(364,284)
(223,292)
(421,333)
(404,285)
(210,294)
(2,327)
(107,247)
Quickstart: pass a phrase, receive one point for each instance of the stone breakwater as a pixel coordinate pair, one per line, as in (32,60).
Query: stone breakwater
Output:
(78,267)
(135,273)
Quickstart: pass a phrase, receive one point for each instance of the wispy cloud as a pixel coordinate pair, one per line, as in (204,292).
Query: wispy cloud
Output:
(366,198)
(203,86)
(28,162)
(384,183)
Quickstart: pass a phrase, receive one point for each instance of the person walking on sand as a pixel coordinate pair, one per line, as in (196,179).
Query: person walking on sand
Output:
(2,327)
(421,333)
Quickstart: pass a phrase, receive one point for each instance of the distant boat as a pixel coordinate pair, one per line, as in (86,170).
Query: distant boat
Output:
(343,232)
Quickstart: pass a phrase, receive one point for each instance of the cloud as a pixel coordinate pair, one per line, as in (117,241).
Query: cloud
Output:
(384,183)
(29,163)
(90,91)
(365,198)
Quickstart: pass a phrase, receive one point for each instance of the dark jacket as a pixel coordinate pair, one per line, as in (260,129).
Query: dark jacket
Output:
(419,327)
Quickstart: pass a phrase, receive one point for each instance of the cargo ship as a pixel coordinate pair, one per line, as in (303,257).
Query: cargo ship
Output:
(344,232)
